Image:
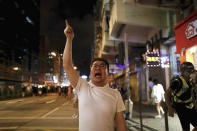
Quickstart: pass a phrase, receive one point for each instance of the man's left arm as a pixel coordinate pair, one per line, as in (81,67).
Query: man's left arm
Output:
(120,122)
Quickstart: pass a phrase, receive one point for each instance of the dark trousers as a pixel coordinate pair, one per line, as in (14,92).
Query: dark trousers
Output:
(186,116)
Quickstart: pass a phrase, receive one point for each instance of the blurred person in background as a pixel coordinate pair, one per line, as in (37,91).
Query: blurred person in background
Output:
(150,85)
(70,93)
(158,96)
(113,85)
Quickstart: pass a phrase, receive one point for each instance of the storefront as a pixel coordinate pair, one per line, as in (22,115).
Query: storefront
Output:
(186,39)
(174,61)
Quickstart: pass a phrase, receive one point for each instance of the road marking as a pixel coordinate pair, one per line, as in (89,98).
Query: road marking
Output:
(30,118)
(66,103)
(11,102)
(59,118)
(50,101)
(50,112)
(14,127)
(13,118)
(39,128)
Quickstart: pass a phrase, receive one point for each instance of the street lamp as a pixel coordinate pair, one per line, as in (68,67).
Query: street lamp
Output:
(53,54)
(15,68)
(18,73)
(75,67)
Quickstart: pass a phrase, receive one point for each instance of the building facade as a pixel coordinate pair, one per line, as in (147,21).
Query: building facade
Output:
(141,24)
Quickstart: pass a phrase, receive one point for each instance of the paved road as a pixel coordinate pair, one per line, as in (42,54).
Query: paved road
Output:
(54,113)
(45,113)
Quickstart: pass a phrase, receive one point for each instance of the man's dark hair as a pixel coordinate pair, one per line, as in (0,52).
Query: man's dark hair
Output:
(100,59)
(186,65)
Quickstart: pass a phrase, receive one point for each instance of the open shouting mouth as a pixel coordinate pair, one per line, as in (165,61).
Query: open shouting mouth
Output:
(98,75)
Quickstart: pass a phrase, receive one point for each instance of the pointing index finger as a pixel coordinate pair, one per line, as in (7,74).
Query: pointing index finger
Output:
(66,21)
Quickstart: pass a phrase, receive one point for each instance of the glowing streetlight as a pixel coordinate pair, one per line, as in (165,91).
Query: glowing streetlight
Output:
(75,67)
(84,77)
(15,68)
(53,54)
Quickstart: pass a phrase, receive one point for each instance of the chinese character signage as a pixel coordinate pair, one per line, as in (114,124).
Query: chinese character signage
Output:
(152,59)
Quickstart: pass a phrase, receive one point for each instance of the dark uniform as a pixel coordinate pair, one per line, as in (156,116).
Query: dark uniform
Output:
(183,102)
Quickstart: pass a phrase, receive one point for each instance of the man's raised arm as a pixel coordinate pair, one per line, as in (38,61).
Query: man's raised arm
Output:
(71,73)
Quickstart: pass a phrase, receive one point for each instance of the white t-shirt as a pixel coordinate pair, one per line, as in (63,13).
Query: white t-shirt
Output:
(158,93)
(97,106)
(75,93)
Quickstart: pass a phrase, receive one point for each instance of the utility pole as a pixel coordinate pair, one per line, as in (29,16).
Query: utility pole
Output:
(127,80)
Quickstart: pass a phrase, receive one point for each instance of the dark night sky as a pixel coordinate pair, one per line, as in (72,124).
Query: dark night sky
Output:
(80,16)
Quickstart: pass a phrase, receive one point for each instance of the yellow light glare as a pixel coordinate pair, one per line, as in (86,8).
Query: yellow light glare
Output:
(193,50)
(53,54)
(15,68)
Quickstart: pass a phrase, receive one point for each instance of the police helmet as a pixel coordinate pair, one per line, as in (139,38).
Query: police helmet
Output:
(187,66)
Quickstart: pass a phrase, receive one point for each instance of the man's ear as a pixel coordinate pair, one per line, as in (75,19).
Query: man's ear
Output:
(107,72)
(90,76)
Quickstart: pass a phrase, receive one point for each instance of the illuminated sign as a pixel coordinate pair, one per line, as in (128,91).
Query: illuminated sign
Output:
(152,59)
(119,65)
(165,62)
(191,29)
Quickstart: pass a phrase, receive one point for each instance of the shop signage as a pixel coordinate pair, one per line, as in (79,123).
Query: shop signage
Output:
(152,59)
(165,62)
(191,29)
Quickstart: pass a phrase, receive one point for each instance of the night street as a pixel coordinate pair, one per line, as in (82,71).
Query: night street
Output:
(46,113)
(121,65)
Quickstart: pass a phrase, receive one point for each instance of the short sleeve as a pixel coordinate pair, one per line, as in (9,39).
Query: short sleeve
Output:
(81,82)
(120,104)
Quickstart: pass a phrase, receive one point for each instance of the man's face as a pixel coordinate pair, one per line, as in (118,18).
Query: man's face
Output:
(187,72)
(193,76)
(98,73)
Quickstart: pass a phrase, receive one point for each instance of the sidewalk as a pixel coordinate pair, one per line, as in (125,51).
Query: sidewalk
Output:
(149,122)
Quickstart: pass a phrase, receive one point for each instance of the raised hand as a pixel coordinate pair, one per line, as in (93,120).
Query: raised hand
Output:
(68,31)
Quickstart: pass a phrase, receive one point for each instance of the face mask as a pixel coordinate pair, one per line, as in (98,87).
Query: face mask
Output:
(186,74)
(193,77)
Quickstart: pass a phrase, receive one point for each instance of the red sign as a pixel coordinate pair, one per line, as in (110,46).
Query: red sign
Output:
(185,32)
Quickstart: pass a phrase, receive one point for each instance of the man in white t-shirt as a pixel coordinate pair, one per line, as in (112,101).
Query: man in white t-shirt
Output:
(100,107)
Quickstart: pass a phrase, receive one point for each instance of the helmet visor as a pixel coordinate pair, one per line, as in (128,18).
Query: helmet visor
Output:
(189,69)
